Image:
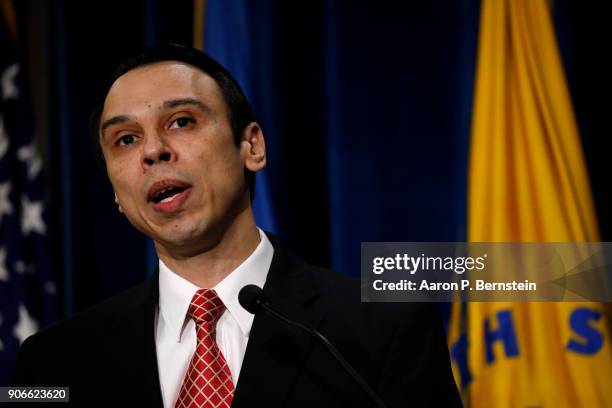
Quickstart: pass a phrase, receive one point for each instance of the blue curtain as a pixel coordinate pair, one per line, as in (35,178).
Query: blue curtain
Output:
(366,112)
(243,47)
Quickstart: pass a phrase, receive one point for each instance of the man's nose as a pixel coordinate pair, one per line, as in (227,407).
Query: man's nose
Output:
(156,150)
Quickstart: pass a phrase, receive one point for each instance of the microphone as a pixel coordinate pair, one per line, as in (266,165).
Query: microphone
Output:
(253,299)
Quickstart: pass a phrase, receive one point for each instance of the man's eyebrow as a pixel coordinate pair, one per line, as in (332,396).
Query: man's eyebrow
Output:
(185,101)
(173,103)
(113,121)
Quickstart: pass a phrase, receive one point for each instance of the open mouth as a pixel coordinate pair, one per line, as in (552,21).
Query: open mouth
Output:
(165,191)
(167,194)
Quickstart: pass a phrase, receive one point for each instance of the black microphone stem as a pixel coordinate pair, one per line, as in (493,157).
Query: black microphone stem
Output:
(330,347)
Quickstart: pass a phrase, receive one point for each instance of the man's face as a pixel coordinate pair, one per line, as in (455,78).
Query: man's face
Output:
(170,156)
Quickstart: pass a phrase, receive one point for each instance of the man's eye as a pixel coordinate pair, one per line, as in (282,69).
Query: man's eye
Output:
(181,122)
(125,140)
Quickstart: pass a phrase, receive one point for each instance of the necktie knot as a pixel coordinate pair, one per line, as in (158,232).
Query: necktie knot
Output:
(205,307)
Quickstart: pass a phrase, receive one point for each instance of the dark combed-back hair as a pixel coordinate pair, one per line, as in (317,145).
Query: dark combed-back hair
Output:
(239,109)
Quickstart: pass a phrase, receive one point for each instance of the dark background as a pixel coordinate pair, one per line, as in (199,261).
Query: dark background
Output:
(366,108)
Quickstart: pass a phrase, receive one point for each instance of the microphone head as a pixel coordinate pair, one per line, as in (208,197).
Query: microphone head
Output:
(251,297)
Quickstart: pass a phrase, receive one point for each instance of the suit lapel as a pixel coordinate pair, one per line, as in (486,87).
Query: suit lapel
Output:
(137,358)
(275,353)
(274,356)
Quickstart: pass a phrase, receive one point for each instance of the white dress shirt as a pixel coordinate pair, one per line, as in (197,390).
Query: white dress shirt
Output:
(175,332)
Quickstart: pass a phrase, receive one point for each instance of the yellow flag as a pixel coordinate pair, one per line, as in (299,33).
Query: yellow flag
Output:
(527,183)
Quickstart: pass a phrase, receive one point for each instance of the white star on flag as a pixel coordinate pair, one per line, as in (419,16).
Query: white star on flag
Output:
(23,268)
(4,140)
(30,157)
(20,267)
(31,216)
(50,288)
(9,89)
(5,203)
(26,326)
(3,271)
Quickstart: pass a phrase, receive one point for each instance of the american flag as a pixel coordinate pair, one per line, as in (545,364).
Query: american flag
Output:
(27,293)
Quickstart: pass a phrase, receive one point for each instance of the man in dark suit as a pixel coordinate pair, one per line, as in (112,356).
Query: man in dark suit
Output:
(181,147)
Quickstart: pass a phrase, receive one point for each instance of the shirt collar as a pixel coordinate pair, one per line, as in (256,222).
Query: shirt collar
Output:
(175,292)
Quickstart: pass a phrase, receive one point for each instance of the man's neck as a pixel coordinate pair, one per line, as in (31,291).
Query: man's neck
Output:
(209,267)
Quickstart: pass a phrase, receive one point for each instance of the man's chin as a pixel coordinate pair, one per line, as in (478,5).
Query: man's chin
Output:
(186,243)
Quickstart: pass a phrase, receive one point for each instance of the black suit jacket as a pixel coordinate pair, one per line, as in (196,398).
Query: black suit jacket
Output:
(107,356)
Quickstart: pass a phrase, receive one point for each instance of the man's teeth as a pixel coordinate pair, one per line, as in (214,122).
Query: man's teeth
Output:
(167,194)
(169,198)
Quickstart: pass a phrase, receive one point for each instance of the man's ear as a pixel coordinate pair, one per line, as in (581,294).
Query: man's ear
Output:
(118,205)
(253,147)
